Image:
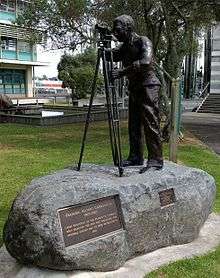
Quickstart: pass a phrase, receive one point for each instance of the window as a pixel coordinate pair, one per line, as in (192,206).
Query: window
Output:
(22,5)
(216,59)
(12,81)
(2,89)
(3,5)
(17,78)
(8,78)
(7,5)
(12,44)
(11,5)
(8,43)
(24,46)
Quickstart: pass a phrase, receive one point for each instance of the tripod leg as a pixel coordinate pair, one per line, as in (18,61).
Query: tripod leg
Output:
(116,123)
(113,119)
(117,129)
(108,101)
(89,110)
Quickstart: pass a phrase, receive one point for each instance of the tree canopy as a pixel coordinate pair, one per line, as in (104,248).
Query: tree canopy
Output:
(64,22)
(77,72)
(173,26)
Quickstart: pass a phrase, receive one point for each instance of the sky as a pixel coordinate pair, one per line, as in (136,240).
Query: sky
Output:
(50,57)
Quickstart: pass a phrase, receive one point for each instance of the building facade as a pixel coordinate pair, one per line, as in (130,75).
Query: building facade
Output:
(211,102)
(50,87)
(18,56)
(215,61)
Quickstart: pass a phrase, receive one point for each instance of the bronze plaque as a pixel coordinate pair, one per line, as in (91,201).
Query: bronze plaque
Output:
(167,197)
(90,220)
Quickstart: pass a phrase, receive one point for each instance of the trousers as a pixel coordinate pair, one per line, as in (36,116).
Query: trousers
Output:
(144,117)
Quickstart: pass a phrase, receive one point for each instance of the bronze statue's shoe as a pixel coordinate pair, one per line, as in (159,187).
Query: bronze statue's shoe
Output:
(150,167)
(127,163)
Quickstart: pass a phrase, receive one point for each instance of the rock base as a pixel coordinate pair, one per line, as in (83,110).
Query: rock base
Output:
(208,240)
(128,216)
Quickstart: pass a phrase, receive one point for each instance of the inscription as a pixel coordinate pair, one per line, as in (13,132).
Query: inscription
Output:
(167,197)
(90,220)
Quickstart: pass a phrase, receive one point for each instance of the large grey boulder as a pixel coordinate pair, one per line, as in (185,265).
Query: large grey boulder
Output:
(156,209)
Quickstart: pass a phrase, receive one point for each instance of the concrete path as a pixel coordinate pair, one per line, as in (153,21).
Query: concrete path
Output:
(208,240)
(205,126)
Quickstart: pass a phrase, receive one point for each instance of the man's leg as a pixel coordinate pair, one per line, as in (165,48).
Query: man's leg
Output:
(135,131)
(151,122)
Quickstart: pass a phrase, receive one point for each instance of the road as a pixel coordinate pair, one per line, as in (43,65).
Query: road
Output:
(205,126)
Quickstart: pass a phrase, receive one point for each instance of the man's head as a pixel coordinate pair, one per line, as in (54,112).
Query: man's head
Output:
(123,26)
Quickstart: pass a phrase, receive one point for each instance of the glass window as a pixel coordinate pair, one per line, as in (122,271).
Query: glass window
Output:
(3,5)
(18,79)
(7,5)
(11,5)
(13,81)
(9,89)
(24,46)
(3,43)
(7,78)
(8,43)
(12,44)
(2,89)
(216,59)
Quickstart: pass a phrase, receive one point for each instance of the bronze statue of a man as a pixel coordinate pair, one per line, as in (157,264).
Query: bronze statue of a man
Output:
(136,54)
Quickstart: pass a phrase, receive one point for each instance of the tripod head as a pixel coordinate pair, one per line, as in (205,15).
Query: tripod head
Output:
(105,36)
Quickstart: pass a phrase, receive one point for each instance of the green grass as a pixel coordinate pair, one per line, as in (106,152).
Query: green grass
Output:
(28,152)
(202,158)
(207,266)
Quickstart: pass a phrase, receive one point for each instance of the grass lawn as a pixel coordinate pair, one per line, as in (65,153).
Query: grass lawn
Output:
(28,152)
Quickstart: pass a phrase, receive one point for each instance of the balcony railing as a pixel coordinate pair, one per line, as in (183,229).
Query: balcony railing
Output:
(10,9)
(21,33)
(7,16)
(18,55)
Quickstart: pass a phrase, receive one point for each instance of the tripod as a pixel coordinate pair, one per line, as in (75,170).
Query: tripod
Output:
(112,107)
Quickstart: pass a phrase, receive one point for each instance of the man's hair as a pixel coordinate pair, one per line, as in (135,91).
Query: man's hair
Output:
(126,20)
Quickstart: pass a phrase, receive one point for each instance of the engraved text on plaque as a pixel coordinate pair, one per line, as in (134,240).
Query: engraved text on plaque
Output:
(90,220)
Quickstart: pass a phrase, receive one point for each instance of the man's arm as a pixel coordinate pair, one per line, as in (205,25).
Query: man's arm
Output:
(115,52)
(141,65)
(146,52)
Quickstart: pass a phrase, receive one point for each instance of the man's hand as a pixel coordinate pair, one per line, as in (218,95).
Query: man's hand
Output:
(116,74)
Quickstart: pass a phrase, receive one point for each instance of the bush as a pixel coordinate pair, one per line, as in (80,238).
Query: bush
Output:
(77,72)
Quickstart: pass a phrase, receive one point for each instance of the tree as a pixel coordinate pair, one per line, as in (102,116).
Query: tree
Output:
(77,72)
(65,23)
(173,26)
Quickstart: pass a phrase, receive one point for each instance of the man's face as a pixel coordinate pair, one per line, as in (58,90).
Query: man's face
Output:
(119,32)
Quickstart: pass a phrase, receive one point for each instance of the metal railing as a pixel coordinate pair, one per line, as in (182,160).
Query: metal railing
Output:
(174,115)
(204,92)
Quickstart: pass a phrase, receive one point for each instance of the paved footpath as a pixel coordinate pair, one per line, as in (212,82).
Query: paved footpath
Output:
(205,126)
